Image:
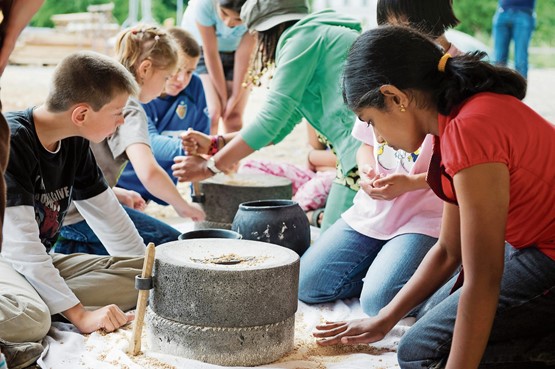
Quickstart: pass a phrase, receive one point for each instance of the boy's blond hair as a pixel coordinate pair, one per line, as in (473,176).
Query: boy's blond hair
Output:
(88,77)
(139,43)
(186,41)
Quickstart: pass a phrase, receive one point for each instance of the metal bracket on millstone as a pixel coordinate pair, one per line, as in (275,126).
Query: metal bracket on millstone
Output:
(143,284)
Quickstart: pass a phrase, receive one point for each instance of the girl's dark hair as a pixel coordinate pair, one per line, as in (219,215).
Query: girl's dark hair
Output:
(431,17)
(234,5)
(265,52)
(400,56)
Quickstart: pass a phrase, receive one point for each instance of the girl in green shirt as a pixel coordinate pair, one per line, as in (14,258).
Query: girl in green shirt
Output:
(308,51)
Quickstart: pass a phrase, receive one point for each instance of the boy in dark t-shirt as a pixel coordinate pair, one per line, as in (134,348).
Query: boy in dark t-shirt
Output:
(50,166)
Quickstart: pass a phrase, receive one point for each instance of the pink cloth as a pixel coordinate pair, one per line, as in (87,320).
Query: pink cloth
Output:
(310,189)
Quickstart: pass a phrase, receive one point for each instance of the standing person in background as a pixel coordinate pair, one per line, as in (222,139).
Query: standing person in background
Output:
(226,52)
(151,55)
(309,51)
(514,20)
(182,106)
(498,313)
(20,305)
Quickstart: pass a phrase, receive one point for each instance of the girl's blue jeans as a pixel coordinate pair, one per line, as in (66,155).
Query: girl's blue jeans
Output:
(523,333)
(343,263)
(80,238)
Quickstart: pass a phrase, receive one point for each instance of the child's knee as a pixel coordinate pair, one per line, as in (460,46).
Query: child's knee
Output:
(372,300)
(25,318)
(313,289)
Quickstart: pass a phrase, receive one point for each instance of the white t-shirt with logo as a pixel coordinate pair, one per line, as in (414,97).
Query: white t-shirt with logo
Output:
(416,211)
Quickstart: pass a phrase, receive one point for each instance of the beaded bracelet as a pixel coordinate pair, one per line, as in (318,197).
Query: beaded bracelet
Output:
(213,149)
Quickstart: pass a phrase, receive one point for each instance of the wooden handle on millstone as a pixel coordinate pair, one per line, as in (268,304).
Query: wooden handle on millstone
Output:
(197,196)
(142,300)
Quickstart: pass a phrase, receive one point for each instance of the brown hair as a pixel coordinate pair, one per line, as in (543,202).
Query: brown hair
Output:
(88,77)
(186,41)
(265,52)
(139,43)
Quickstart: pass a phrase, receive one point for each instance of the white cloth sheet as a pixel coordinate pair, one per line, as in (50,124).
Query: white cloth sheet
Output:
(66,348)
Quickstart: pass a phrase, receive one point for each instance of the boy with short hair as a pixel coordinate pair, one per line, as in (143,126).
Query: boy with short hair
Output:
(50,165)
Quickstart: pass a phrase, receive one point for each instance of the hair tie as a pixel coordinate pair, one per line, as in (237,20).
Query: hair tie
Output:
(443,62)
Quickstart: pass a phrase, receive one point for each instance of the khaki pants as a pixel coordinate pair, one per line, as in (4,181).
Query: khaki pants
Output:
(97,281)
(24,316)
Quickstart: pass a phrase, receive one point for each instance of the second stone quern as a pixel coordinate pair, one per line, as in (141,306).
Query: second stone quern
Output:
(223,301)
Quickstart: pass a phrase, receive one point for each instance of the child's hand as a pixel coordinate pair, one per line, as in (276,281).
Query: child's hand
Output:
(108,318)
(195,143)
(190,169)
(367,178)
(193,211)
(390,187)
(130,198)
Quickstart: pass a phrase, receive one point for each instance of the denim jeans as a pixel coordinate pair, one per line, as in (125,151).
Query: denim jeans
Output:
(80,238)
(516,25)
(343,263)
(523,333)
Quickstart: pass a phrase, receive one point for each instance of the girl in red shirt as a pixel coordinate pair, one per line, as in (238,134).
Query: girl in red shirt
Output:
(489,166)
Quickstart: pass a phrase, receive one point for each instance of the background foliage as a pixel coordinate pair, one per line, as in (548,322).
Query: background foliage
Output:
(475,15)
(161,9)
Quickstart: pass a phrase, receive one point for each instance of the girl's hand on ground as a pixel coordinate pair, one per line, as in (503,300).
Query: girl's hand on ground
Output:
(190,169)
(193,211)
(195,143)
(108,318)
(350,333)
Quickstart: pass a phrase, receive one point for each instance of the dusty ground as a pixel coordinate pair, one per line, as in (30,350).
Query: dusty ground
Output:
(24,86)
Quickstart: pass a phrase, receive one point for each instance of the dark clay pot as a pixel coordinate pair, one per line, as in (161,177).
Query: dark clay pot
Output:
(210,233)
(281,222)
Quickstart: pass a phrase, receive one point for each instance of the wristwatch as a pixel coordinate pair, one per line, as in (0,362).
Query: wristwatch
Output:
(211,164)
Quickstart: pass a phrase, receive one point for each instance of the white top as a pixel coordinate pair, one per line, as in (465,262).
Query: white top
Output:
(413,212)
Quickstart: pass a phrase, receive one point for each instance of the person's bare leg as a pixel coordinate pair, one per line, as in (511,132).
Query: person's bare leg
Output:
(213,102)
(315,217)
(233,119)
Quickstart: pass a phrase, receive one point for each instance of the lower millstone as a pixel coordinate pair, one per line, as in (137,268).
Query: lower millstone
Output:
(245,346)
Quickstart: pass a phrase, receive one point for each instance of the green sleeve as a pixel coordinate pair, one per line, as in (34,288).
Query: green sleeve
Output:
(296,63)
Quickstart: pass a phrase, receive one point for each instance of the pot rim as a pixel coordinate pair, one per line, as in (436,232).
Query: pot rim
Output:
(205,233)
(267,204)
